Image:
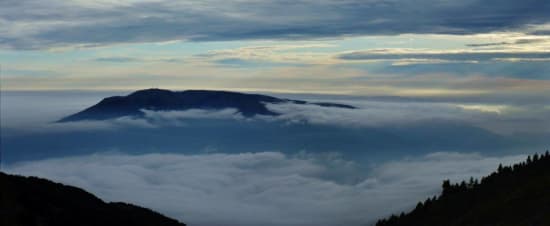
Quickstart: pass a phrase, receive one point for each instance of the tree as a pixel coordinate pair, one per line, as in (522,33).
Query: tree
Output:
(513,195)
(447,187)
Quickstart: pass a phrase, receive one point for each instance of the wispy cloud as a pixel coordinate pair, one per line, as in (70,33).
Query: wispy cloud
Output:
(53,23)
(280,55)
(117,59)
(521,41)
(9,72)
(472,56)
(135,60)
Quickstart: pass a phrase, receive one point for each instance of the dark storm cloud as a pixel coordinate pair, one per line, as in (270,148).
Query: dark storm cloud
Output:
(51,23)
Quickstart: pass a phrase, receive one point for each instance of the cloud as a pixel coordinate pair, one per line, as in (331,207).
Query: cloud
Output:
(488,44)
(134,60)
(249,63)
(531,40)
(370,114)
(472,56)
(25,113)
(174,118)
(150,120)
(520,41)
(117,59)
(497,68)
(267,188)
(12,72)
(83,126)
(39,24)
(501,118)
(498,118)
(282,55)
(36,111)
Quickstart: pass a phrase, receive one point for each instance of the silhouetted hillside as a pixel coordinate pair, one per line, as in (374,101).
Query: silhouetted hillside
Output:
(513,195)
(29,201)
(158,99)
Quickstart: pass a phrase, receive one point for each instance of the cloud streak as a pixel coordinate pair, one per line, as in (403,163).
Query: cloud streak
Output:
(516,42)
(134,60)
(472,56)
(267,188)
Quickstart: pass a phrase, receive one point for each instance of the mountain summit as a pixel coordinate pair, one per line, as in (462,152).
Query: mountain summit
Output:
(166,100)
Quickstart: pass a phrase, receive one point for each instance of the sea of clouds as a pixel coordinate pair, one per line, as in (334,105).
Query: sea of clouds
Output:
(262,188)
(266,188)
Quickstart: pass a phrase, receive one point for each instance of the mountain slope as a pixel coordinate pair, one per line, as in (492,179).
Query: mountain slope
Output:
(514,195)
(158,99)
(29,201)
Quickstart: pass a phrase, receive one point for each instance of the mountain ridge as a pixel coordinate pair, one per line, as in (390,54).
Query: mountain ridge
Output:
(160,99)
(29,201)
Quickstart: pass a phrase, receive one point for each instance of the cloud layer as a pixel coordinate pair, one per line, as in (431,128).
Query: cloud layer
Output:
(34,112)
(266,188)
(499,118)
(53,23)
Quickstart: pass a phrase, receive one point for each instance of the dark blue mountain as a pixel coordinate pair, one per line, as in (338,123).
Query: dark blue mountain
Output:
(164,100)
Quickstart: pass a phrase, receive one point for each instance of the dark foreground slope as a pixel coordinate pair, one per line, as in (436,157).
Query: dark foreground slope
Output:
(165,100)
(513,196)
(29,201)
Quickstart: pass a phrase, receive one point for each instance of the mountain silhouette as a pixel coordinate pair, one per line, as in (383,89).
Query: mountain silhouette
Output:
(31,201)
(511,196)
(165,100)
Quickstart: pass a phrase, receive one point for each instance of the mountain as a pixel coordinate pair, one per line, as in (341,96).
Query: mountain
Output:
(511,196)
(30,201)
(159,99)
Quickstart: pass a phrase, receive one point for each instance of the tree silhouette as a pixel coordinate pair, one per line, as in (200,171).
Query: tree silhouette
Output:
(31,201)
(513,195)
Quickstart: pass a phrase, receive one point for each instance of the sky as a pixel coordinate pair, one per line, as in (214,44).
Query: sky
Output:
(443,89)
(492,49)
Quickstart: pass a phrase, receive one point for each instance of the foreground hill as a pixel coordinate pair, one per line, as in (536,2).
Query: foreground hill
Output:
(514,195)
(29,201)
(159,99)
